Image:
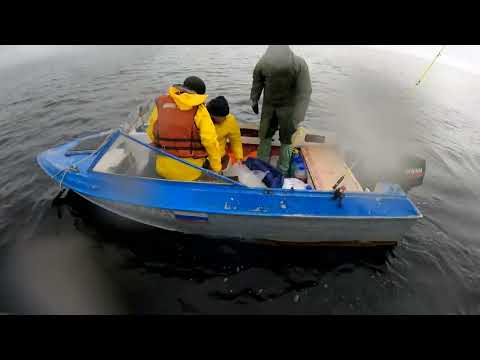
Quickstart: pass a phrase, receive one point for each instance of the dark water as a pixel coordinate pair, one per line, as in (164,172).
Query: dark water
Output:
(89,261)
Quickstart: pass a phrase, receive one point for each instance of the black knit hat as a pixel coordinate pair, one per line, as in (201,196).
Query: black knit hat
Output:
(196,84)
(218,106)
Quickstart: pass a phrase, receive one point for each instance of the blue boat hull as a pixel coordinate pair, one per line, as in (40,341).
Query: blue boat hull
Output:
(228,210)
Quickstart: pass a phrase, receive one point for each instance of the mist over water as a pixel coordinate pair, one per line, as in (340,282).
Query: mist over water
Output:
(89,261)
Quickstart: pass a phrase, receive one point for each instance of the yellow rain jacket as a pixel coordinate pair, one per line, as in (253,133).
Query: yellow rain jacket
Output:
(172,169)
(230,130)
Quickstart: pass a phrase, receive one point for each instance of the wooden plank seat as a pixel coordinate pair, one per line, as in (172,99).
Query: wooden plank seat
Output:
(326,166)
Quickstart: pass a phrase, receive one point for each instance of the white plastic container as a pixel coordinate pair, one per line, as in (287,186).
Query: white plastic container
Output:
(294,183)
(246,176)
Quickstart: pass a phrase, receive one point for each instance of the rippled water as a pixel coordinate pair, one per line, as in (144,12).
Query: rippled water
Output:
(88,261)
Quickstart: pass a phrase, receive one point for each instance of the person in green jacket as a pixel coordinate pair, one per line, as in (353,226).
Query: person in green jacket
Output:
(284,79)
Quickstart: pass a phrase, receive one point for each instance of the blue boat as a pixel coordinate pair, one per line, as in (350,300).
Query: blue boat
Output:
(116,170)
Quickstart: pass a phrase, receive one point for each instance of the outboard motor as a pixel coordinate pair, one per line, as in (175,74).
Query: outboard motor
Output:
(409,172)
(412,172)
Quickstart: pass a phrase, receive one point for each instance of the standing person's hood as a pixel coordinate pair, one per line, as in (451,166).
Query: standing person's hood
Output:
(278,55)
(185,101)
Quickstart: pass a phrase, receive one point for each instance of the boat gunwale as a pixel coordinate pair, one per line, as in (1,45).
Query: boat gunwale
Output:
(282,194)
(265,215)
(89,171)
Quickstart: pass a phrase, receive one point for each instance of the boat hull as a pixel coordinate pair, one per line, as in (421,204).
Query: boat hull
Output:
(229,210)
(294,230)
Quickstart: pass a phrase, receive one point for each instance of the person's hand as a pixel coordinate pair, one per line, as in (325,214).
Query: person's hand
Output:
(255,107)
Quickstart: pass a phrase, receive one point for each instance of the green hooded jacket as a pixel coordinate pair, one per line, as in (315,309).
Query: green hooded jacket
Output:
(284,79)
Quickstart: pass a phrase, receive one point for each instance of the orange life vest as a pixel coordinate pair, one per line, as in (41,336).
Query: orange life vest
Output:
(175,131)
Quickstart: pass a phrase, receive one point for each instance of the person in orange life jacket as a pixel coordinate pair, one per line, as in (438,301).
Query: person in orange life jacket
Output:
(227,129)
(181,125)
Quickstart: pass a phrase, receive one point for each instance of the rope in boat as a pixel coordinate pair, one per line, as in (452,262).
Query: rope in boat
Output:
(73,167)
